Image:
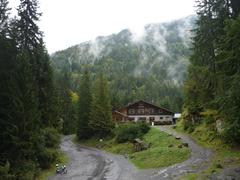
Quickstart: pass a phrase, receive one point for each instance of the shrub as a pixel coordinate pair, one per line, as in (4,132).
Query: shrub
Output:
(128,132)
(51,137)
(232,133)
(26,170)
(4,172)
(47,157)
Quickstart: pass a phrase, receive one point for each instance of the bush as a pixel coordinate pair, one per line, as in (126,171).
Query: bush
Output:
(26,170)
(47,157)
(128,132)
(4,172)
(232,133)
(51,137)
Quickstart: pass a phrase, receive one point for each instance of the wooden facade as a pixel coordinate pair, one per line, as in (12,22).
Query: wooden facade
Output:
(143,111)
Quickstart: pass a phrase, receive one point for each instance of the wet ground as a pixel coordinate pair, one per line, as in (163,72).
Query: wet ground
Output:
(92,164)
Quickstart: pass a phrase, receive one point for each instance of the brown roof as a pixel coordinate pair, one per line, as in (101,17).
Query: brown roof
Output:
(121,114)
(149,104)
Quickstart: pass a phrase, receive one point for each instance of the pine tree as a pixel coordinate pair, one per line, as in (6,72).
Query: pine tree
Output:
(4,17)
(213,75)
(229,97)
(84,106)
(67,111)
(101,122)
(30,40)
(25,73)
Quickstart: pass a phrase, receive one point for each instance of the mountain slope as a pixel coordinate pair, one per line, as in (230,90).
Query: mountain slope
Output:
(149,66)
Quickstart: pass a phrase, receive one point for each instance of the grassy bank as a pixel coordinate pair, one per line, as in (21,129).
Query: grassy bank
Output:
(224,154)
(44,174)
(160,154)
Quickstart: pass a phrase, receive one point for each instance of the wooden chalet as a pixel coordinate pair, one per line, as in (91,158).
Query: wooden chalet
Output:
(143,111)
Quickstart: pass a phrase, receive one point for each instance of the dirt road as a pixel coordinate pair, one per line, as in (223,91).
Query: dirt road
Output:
(92,164)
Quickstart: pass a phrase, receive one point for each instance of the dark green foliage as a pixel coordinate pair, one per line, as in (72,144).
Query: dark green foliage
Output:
(26,170)
(101,123)
(68,110)
(27,107)
(51,137)
(84,107)
(213,75)
(5,172)
(46,157)
(152,68)
(131,131)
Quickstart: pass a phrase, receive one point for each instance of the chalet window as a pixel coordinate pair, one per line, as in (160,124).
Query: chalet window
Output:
(131,111)
(161,117)
(152,118)
(151,110)
(160,111)
(141,111)
(140,106)
(142,118)
(147,111)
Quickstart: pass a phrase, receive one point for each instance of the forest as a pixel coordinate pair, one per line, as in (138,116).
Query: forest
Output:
(212,95)
(151,66)
(30,125)
(191,65)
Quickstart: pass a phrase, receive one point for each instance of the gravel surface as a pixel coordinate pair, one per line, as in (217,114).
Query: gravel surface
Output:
(92,164)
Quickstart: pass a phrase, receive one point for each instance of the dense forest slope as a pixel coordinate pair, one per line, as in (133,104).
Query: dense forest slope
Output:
(149,66)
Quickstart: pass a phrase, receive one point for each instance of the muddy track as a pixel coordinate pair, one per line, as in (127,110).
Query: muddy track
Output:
(92,164)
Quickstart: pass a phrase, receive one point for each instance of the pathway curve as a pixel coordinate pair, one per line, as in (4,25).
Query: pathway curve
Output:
(92,164)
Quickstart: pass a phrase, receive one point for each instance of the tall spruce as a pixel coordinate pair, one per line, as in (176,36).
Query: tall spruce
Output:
(30,40)
(213,73)
(24,73)
(84,106)
(101,122)
(67,110)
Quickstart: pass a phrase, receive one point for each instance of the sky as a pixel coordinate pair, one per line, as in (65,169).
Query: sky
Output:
(69,22)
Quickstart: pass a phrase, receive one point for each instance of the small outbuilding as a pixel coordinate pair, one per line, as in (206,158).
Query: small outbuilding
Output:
(139,145)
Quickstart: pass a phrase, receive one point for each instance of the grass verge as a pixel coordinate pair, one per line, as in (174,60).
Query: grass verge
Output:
(44,174)
(163,151)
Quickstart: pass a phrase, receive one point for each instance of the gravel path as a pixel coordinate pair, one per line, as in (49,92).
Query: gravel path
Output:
(92,164)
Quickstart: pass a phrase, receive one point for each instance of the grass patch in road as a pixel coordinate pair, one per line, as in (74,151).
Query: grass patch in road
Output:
(158,155)
(109,144)
(44,174)
(190,176)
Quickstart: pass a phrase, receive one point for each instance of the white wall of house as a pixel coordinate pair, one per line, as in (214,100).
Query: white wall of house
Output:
(157,118)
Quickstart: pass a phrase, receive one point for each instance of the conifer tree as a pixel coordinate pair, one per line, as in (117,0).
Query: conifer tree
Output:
(213,75)
(25,73)
(67,111)
(101,122)
(30,40)
(84,106)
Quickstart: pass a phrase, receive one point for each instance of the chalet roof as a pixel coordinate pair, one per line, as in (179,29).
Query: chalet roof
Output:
(120,113)
(149,104)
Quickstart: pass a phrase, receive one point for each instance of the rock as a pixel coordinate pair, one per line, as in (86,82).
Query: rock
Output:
(218,165)
(171,145)
(237,170)
(177,137)
(219,126)
(180,146)
(185,144)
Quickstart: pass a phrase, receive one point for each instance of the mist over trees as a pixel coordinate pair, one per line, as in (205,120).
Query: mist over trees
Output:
(212,86)
(150,66)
